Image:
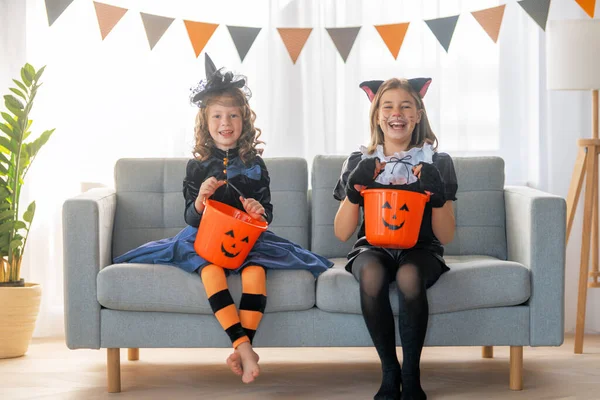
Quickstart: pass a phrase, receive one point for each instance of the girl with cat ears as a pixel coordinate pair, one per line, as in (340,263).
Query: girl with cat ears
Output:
(401,155)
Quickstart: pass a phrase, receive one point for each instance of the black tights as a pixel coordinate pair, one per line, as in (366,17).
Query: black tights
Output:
(374,273)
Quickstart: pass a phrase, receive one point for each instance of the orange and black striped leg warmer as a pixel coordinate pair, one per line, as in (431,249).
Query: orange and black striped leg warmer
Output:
(254,298)
(215,284)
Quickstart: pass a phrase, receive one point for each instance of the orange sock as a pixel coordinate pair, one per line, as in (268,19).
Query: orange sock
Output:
(254,298)
(215,284)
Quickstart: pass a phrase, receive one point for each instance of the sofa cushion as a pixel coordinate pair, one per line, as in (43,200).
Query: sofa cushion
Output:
(472,282)
(148,287)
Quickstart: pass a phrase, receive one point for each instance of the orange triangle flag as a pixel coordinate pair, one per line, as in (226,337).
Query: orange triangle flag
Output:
(294,40)
(108,17)
(393,36)
(199,33)
(490,20)
(589,6)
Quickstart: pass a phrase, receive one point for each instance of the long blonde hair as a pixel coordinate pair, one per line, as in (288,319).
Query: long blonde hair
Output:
(248,139)
(422,132)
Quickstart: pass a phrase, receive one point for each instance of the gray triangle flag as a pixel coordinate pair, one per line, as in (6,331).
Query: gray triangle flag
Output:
(54,8)
(344,39)
(443,29)
(538,10)
(243,38)
(155,26)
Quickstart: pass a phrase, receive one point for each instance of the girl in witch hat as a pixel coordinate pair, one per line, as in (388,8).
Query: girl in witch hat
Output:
(227,167)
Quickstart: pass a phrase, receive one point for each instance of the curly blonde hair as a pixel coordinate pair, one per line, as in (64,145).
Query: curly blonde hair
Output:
(248,139)
(422,132)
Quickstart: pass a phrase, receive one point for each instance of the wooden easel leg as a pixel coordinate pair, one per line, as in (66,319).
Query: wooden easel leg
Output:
(590,188)
(595,225)
(575,188)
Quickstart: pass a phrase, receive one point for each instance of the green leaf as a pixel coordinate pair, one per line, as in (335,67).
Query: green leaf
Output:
(6,227)
(11,121)
(20,225)
(30,70)
(12,100)
(29,73)
(39,73)
(4,194)
(25,78)
(15,110)
(25,160)
(28,216)
(4,240)
(20,85)
(6,214)
(31,207)
(8,144)
(18,93)
(15,244)
(6,129)
(37,144)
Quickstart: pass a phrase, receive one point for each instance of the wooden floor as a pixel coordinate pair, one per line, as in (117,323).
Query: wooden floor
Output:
(51,371)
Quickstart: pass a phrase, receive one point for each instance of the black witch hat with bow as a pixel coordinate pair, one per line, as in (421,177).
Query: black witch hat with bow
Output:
(216,81)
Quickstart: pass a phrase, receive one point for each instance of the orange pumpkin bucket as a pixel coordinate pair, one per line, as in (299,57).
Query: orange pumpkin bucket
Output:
(393,217)
(226,235)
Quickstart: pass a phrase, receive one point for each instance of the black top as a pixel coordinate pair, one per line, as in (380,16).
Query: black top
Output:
(427,239)
(251,179)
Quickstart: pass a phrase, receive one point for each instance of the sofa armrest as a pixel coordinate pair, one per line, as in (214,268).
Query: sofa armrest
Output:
(535,237)
(87,239)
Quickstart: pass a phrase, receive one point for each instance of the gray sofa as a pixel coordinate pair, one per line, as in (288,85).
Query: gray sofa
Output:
(505,286)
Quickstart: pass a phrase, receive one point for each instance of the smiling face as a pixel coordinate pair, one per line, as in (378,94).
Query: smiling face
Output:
(398,115)
(224,125)
(391,218)
(230,250)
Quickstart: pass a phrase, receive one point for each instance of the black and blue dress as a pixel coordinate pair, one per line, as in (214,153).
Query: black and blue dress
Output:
(252,179)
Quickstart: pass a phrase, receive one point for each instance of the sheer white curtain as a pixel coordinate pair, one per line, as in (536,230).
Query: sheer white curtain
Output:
(116,98)
(12,41)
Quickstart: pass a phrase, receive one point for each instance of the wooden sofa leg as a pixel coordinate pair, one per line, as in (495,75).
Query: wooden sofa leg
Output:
(133,354)
(114,370)
(487,351)
(516,367)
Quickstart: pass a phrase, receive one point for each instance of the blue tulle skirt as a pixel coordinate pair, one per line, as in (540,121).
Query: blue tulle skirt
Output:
(269,251)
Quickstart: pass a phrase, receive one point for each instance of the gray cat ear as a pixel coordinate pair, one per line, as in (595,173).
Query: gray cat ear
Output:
(420,85)
(370,88)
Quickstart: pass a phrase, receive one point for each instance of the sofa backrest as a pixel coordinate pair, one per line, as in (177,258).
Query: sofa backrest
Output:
(479,209)
(150,202)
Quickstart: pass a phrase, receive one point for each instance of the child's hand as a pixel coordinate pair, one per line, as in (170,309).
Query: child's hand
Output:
(253,208)
(362,176)
(208,188)
(431,181)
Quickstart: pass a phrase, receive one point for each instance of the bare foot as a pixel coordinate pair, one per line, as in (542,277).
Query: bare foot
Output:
(235,363)
(249,360)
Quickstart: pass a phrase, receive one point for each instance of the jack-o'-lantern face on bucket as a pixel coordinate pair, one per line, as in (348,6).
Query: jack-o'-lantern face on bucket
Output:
(393,219)
(232,249)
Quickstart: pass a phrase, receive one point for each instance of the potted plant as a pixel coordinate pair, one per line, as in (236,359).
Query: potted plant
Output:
(19,301)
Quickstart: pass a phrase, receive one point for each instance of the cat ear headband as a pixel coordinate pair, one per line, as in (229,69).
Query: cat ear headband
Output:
(420,85)
(217,80)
